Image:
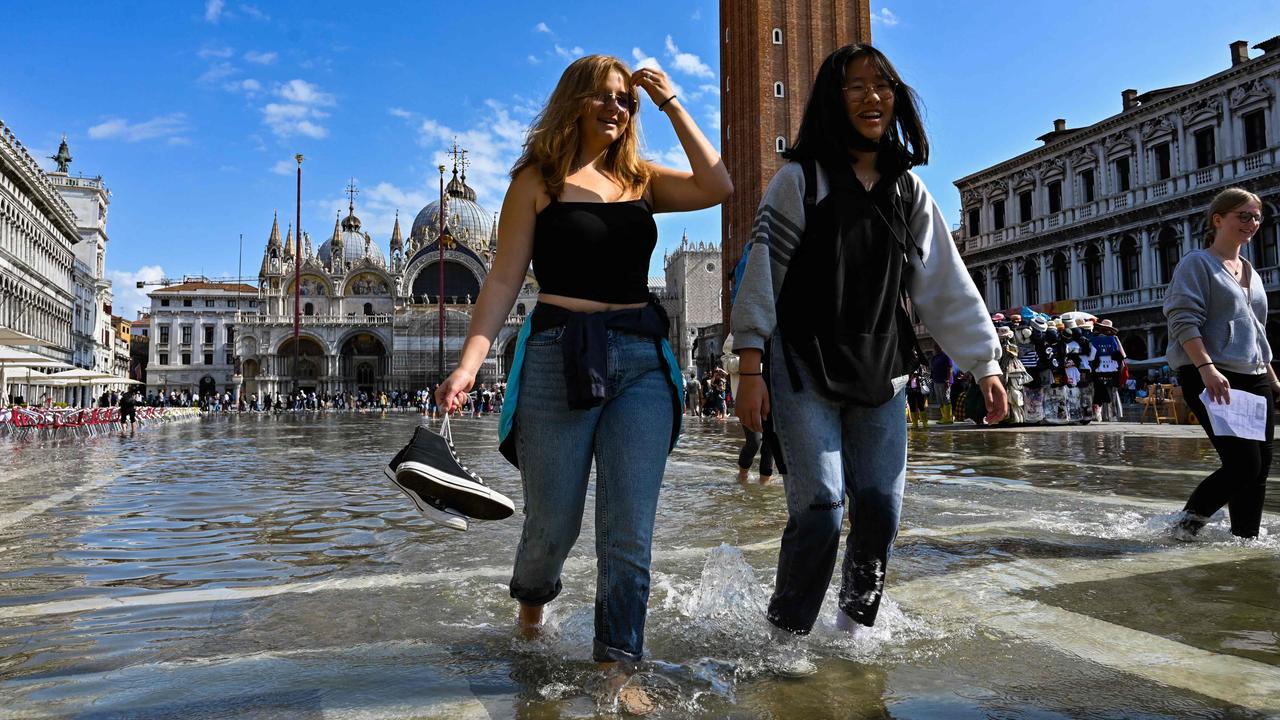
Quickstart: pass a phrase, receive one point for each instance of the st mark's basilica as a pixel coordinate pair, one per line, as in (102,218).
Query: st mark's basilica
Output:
(369,319)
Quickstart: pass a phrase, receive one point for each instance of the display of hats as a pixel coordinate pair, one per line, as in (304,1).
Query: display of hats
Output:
(1039,323)
(1068,323)
(1004,331)
(997,318)
(1105,326)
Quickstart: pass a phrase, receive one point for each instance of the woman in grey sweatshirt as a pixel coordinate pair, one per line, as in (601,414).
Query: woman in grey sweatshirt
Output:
(1217,311)
(843,233)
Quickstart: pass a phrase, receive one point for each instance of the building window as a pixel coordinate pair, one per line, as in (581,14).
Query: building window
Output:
(778,90)
(164,334)
(520,309)
(308,309)
(231,359)
(164,359)
(1087,188)
(780,144)
(208,334)
(1060,272)
(253,303)
(164,302)
(1031,281)
(974,223)
(980,282)
(1205,155)
(1055,196)
(231,336)
(997,214)
(1004,291)
(1024,206)
(186,334)
(1130,265)
(186,303)
(186,358)
(1168,251)
(1093,270)
(208,358)
(1255,132)
(1267,249)
(208,303)
(368,308)
(1163,161)
(231,303)
(1123,183)
(777,36)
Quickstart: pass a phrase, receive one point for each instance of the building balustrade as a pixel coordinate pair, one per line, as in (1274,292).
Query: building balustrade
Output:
(254,319)
(1217,174)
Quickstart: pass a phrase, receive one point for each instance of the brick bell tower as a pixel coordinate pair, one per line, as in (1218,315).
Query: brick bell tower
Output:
(770,51)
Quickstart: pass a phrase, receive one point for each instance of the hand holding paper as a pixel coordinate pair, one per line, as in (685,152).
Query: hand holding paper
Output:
(1245,417)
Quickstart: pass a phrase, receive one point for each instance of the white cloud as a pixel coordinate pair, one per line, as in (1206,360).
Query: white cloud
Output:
(645,60)
(542,28)
(288,119)
(713,118)
(301,115)
(697,14)
(400,113)
(687,63)
(884,17)
(533,60)
(213,10)
(709,89)
(248,86)
(127,298)
(569,53)
(210,51)
(165,126)
(493,144)
(260,58)
(301,91)
(674,157)
(284,167)
(218,72)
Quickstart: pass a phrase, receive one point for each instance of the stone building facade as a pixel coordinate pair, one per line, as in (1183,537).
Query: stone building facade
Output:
(770,52)
(1097,218)
(38,234)
(691,295)
(88,198)
(193,334)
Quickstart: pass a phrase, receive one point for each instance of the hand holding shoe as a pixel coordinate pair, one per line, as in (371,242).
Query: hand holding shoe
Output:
(453,392)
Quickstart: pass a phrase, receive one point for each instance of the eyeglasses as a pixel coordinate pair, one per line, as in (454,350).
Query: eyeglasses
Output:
(858,91)
(624,101)
(1248,217)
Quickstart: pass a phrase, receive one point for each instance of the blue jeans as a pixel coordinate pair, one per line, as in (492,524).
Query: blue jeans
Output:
(628,436)
(833,450)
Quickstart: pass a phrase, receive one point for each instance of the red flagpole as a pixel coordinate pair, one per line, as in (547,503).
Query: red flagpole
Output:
(297,278)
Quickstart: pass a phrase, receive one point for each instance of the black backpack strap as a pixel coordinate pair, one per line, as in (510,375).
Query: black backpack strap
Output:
(904,204)
(810,168)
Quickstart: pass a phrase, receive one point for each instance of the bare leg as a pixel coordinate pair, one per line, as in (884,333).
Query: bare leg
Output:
(530,622)
(632,699)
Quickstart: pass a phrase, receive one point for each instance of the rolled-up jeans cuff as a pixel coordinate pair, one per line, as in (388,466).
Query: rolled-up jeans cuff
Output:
(601,652)
(526,597)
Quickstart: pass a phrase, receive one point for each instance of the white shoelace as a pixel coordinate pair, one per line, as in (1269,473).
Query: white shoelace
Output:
(447,434)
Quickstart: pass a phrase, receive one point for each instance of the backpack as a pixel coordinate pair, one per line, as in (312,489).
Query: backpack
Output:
(842,308)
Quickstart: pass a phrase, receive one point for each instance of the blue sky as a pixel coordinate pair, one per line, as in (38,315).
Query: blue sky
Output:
(192,111)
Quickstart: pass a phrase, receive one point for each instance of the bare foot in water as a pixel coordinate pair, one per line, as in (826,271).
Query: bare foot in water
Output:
(742,475)
(632,699)
(529,624)
(764,479)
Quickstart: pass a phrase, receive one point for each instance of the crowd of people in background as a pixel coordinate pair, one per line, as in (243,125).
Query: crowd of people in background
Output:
(483,400)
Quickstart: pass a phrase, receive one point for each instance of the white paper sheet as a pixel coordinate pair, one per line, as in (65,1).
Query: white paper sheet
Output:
(1245,417)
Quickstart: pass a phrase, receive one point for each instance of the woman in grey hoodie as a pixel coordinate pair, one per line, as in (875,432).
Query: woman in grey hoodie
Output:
(1217,311)
(845,234)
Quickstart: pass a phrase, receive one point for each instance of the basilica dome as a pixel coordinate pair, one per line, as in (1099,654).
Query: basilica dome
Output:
(353,241)
(469,223)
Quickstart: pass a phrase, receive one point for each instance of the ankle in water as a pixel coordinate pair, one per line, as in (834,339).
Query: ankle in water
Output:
(790,654)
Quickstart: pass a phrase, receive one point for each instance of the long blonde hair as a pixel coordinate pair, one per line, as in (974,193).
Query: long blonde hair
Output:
(552,143)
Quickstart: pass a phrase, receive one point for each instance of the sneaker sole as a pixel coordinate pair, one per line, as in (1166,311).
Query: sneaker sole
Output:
(453,522)
(469,498)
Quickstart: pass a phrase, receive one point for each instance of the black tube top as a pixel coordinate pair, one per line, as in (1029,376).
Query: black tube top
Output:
(595,250)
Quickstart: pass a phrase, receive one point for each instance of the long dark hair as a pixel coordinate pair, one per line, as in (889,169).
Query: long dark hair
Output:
(826,133)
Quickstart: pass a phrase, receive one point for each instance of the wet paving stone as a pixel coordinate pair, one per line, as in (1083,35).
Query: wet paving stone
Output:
(262,567)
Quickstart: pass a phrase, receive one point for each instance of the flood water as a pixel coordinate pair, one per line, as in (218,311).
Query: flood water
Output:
(263,567)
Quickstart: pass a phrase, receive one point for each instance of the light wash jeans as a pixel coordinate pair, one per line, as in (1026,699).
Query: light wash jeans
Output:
(628,436)
(833,450)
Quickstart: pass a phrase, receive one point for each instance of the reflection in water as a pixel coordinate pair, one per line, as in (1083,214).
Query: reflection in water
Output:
(262,566)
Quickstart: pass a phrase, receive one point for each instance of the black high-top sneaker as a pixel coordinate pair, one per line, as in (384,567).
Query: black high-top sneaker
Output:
(432,508)
(430,466)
